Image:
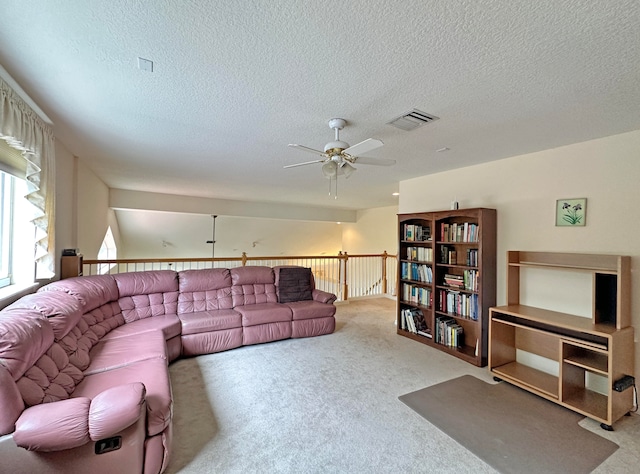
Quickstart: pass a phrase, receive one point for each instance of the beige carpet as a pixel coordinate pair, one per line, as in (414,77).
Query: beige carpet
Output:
(511,429)
(329,404)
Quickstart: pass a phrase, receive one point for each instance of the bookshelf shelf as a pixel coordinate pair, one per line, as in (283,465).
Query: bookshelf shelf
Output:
(457,250)
(589,353)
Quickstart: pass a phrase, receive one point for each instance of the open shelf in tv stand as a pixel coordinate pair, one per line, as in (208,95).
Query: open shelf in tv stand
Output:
(601,346)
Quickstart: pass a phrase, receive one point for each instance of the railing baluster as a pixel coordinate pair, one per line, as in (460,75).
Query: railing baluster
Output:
(347,276)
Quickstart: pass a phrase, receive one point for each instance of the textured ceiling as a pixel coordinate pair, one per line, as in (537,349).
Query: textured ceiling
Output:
(235,82)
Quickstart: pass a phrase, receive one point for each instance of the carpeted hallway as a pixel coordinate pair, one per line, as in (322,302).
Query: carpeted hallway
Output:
(330,404)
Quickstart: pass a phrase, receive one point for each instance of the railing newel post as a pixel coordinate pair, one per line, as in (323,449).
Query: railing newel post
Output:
(384,272)
(344,257)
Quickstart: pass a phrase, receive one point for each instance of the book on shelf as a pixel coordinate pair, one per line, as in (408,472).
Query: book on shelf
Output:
(459,232)
(460,304)
(416,233)
(421,254)
(448,255)
(456,281)
(416,272)
(468,281)
(413,321)
(472,257)
(448,332)
(417,295)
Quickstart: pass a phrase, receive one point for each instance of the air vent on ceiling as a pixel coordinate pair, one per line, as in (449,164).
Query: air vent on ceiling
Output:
(412,120)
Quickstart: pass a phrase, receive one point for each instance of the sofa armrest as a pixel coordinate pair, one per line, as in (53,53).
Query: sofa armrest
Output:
(115,409)
(323,296)
(54,426)
(70,423)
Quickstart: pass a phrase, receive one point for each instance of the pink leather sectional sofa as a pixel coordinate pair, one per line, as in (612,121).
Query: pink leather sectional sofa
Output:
(84,379)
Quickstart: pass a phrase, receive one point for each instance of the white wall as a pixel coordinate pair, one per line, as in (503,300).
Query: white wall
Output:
(94,214)
(154,234)
(373,232)
(65,227)
(524,190)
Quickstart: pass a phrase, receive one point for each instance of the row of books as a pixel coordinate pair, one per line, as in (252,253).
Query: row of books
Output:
(467,281)
(448,332)
(416,272)
(412,320)
(472,257)
(448,255)
(417,233)
(459,232)
(452,256)
(421,254)
(461,304)
(417,294)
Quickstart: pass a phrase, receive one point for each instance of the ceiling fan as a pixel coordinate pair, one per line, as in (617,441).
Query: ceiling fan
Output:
(339,157)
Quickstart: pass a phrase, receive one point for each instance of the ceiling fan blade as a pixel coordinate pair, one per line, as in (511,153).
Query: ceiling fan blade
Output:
(308,150)
(363,147)
(363,160)
(302,164)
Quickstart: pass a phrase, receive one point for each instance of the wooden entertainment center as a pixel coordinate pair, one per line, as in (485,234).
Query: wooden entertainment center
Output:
(583,350)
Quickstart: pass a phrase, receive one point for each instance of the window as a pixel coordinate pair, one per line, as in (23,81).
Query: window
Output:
(108,251)
(17,233)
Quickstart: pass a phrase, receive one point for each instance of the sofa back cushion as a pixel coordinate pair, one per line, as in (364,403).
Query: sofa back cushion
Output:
(204,290)
(253,285)
(40,367)
(50,379)
(10,401)
(24,336)
(92,291)
(62,310)
(146,294)
(90,329)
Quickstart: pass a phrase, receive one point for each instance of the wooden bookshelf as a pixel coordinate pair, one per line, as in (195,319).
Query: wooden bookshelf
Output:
(582,348)
(447,273)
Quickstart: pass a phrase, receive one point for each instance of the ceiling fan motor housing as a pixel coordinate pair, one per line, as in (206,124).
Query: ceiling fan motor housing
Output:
(335,147)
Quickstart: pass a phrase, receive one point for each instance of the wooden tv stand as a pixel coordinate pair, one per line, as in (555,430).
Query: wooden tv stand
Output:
(583,348)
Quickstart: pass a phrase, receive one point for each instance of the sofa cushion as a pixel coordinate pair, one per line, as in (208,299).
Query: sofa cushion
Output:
(211,342)
(206,321)
(168,324)
(310,310)
(253,285)
(92,291)
(294,284)
(264,313)
(109,354)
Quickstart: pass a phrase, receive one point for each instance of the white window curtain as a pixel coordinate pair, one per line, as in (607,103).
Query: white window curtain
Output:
(25,131)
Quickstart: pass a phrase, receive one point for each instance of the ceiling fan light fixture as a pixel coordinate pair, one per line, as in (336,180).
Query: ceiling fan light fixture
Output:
(346,169)
(330,169)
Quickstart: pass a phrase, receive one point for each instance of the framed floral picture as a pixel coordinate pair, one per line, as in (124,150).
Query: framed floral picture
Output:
(571,212)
